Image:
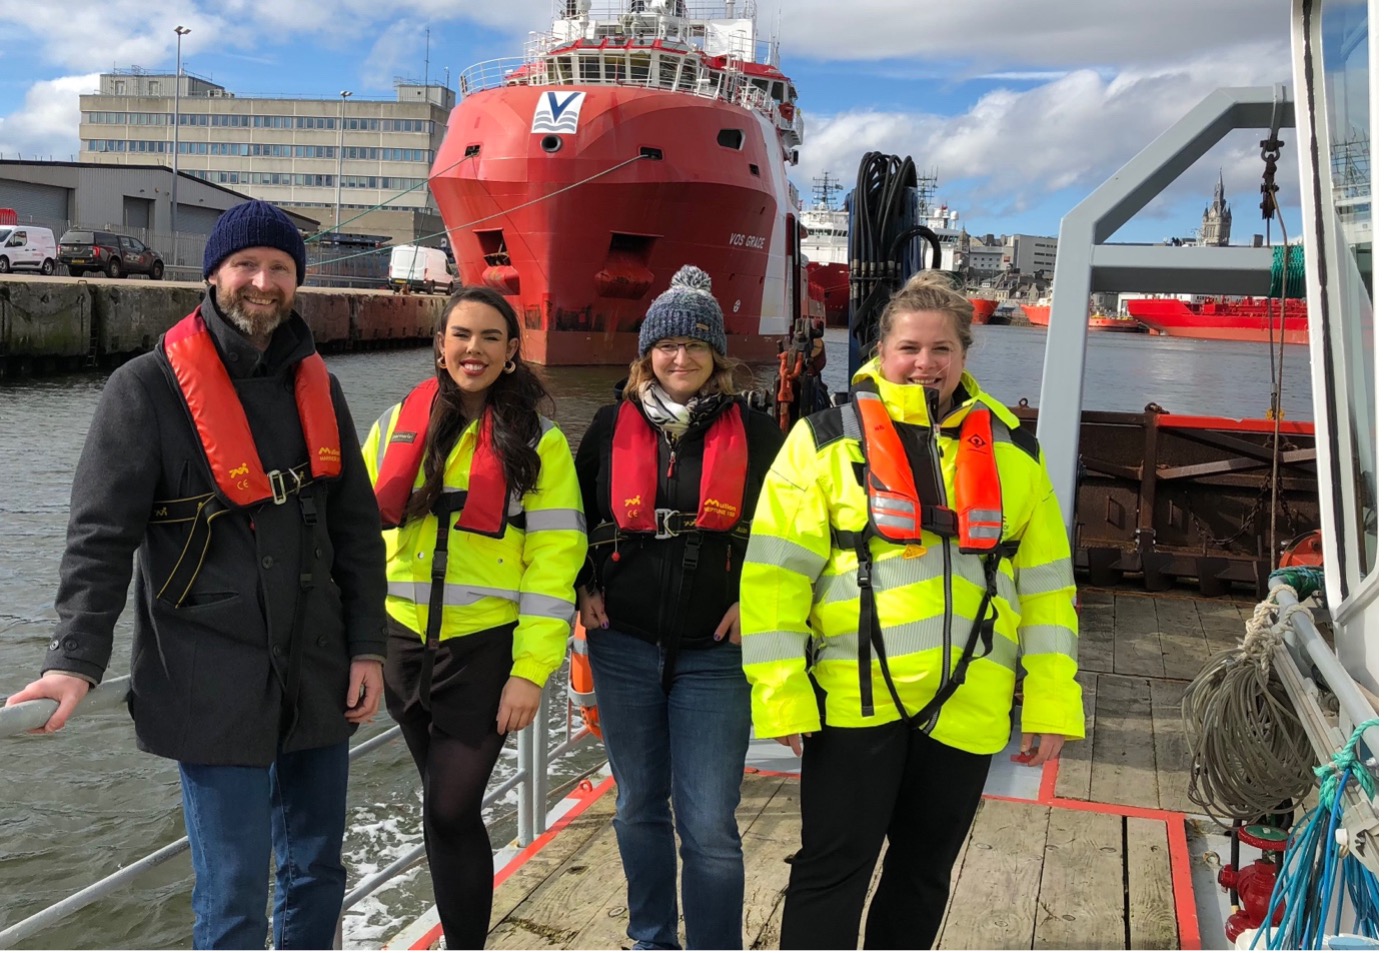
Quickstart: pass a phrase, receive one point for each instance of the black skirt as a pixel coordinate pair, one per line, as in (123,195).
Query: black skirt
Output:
(468,675)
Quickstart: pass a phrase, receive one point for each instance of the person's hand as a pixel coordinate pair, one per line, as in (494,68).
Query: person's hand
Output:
(591,606)
(1036,750)
(66,690)
(794,742)
(730,622)
(364,688)
(518,705)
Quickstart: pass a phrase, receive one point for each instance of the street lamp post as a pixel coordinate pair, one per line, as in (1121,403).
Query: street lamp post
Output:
(340,157)
(177,93)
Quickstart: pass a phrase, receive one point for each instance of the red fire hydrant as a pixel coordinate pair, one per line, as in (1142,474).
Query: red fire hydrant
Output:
(1253,884)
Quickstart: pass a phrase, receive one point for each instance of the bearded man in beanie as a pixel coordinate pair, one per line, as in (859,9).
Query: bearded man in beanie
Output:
(226,462)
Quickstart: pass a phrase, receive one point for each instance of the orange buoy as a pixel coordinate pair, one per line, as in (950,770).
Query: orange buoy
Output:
(581,687)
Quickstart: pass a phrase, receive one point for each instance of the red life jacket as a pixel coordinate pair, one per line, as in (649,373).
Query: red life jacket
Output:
(487,496)
(896,511)
(634,472)
(224,431)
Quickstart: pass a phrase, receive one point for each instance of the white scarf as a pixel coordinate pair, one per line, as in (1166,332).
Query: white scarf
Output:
(664,412)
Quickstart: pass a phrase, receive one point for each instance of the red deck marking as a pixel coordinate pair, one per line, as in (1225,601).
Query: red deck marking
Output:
(1047,786)
(1179,859)
(765,772)
(587,798)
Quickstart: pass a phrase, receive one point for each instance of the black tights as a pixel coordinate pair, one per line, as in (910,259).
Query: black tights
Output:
(455,773)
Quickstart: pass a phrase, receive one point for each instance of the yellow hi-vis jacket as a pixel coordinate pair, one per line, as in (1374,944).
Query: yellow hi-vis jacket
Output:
(528,575)
(800,603)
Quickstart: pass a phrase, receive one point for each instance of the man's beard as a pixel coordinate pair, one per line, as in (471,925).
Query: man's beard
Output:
(254,323)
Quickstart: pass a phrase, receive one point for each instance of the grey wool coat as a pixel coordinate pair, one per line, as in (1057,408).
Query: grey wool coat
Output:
(213,679)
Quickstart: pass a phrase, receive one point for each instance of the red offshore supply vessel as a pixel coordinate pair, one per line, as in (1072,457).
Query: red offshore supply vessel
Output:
(1221,319)
(630,140)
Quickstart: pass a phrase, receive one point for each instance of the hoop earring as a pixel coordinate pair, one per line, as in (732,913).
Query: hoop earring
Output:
(441,362)
(510,366)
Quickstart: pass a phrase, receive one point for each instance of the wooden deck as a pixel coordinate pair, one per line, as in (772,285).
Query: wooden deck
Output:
(1097,860)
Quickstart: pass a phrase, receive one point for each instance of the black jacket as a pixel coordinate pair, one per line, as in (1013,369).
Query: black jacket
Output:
(644,588)
(209,677)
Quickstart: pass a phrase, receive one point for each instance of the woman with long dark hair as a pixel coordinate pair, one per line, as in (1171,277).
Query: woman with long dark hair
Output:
(669,478)
(485,535)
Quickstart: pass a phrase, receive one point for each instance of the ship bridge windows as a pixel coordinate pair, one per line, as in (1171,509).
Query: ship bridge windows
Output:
(731,138)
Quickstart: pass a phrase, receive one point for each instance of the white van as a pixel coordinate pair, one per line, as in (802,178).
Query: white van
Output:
(419,268)
(27,246)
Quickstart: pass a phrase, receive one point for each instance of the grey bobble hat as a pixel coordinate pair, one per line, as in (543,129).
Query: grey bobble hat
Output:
(686,310)
(253,224)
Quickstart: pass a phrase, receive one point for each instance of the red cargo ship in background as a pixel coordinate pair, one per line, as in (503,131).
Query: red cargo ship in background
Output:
(632,139)
(1247,319)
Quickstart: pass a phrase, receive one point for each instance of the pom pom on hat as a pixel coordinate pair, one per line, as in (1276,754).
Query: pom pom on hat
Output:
(686,310)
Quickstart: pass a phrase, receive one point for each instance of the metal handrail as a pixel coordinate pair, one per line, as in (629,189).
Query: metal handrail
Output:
(28,716)
(531,777)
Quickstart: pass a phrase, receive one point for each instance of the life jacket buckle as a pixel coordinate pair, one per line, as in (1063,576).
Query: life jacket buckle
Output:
(278,486)
(663,527)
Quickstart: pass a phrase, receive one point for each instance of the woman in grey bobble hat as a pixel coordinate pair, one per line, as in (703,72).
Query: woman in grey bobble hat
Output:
(669,477)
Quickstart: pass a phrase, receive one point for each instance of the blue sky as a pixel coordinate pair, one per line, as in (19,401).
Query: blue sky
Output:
(1020,107)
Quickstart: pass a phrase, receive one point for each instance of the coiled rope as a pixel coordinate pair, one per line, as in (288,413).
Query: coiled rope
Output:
(1296,271)
(1317,875)
(1250,754)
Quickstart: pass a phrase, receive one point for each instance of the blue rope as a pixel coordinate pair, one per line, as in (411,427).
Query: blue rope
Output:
(1316,875)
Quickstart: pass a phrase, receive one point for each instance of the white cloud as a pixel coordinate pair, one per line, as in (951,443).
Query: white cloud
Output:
(1014,148)
(46,124)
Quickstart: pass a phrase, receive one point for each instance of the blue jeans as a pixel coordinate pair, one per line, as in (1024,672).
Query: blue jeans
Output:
(688,745)
(233,815)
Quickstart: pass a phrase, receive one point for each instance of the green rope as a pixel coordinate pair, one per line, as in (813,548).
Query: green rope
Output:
(1304,580)
(1331,773)
(1296,272)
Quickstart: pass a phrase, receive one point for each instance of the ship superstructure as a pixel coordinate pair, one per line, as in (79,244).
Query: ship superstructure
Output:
(631,139)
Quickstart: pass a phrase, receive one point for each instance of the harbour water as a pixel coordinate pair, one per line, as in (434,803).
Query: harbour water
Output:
(77,806)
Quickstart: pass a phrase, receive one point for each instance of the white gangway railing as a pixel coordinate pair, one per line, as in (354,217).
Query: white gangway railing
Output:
(531,779)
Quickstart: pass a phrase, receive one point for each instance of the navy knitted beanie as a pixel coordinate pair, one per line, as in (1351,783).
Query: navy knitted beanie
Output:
(686,310)
(253,224)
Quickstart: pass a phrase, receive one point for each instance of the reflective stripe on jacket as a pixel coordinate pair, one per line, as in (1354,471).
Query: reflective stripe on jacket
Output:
(799,594)
(526,575)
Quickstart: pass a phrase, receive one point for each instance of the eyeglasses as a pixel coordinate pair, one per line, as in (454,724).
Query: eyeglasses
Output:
(693,348)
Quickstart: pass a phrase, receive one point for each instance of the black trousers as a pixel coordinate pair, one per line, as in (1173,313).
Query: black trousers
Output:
(455,746)
(859,786)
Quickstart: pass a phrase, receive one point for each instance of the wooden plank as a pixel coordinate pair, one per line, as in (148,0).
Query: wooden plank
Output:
(1096,626)
(1152,918)
(1137,649)
(1123,769)
(1222,623)
(539,867)
(1074,767)
(996,896)
(1170,754)
(577,892)
(1180,634)
(768,840)
(1081,902)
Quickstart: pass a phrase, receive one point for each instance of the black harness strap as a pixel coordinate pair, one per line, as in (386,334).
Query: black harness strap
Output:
(870,637)
(200,511)
(443,508)
(307,581)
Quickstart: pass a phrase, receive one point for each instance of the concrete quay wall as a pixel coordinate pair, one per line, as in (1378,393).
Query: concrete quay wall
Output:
(49,325)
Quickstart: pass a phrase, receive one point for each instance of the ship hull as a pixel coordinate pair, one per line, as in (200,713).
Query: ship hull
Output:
(582,237)
(1222,321)
(1037,314)
(982,309)
(835,282)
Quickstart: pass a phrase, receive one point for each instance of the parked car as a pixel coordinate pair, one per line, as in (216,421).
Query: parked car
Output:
(27,246)
(83,250)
